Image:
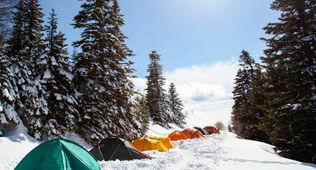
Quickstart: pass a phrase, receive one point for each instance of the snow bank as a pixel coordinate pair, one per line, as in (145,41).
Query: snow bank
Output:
(14,147)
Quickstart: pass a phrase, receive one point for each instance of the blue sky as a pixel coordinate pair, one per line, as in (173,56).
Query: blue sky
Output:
(184,32)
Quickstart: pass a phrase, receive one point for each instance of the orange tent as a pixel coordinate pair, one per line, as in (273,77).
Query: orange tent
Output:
(193,133)
(211,130)
(176,135)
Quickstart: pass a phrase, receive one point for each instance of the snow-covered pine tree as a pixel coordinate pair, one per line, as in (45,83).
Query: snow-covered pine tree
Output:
(156,96)
(35,108)
(8,116)
(245,112)
(54,74)
(142,112)
(24,48)
(176,106)
(15,47)
(101,74)
(290,60)
(241,108)
(15,51)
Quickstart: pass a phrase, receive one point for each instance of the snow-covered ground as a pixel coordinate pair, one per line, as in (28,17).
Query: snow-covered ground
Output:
(219,152)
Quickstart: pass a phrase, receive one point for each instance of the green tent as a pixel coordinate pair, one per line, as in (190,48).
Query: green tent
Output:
(58,154)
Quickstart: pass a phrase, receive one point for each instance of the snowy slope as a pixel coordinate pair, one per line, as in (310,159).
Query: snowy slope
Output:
(14,147)
(220,152)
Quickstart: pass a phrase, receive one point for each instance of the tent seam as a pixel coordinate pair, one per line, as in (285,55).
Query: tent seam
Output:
(114,151)
(101,152)
(62,155)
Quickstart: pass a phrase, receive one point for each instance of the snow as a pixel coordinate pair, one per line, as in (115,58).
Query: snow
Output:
(218,152)
(47,75)
(53,60)
(31,90)
(3,120)
(87,117)
(10,112)
(14,147)
(6,94)
(67,74)
(38,123)
(58,96)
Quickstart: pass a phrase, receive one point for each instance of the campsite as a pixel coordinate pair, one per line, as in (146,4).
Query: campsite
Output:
(223,151)
(157,84)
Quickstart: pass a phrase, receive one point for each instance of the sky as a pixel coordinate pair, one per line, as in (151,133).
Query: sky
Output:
(183,32)
(199,40)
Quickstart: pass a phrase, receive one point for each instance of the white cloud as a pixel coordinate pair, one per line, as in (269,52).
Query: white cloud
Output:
(140,84)
(206,90)
(204,81)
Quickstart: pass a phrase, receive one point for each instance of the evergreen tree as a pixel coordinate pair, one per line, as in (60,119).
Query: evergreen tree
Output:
(6,9)
(24,48)
(16,42)
(156,96)
(257,101)
(54,74)
(102,72)
(35,106)
(8,115)
(176,106)
(143,112)
(241,115)
(290,76)
(246,110)
(16,55)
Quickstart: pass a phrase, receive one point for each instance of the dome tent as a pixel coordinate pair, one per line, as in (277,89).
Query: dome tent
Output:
(192,133)
(204,132)
(112,148)
(177,135)
(58,154)
(162,144)
(211,130)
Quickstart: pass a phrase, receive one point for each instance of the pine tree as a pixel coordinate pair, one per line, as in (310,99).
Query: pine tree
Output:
(290,76)
(176,106)
(16,42)
(156,96)
(16,51)
(241,116)
(257,101)
(247,98)
(54,74)
(6,9)
(8,115)
(24,48)
(102,72)
(143,112)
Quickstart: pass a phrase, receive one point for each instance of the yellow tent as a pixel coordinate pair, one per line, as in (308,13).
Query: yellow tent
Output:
(153,143)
